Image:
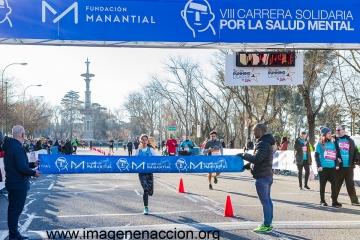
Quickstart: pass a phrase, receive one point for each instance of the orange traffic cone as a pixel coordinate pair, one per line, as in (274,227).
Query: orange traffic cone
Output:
(181,186)
(228,208)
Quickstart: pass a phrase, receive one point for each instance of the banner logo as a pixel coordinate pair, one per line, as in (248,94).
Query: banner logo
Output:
(246,76)
(198,16)
(45,6)
(122,164)
(61,164)
(181,164)
(5,11)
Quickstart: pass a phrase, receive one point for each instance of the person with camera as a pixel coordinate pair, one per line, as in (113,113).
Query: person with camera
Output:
(18,171)
(213,147)
(349,157)
(302,158)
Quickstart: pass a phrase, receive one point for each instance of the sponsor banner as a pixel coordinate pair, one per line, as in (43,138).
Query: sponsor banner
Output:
(255,76)
(69,164)
(2,171)
(228,21)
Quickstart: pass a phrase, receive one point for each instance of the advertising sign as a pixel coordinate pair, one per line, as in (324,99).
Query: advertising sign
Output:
(68,164)
(255,76)
(209,21)
(198,131)
(172,128)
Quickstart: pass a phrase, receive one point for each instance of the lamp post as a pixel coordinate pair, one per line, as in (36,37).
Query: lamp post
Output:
(2,90)
(23,113)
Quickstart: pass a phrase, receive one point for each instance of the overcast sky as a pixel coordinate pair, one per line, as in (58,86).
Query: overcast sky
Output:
(118,71)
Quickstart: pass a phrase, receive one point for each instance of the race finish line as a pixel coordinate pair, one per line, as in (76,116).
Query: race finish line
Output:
(72,164)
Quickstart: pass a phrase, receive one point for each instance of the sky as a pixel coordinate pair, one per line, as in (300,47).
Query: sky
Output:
(118,71)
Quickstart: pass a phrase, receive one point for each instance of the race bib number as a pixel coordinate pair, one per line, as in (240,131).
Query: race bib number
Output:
(330,154)
(344,146)
(304,149)
(215,153)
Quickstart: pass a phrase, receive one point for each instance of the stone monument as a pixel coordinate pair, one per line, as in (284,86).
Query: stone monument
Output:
(88,111)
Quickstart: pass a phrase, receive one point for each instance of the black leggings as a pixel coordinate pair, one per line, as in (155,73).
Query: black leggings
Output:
(328,174)
(307,172)
(147,183)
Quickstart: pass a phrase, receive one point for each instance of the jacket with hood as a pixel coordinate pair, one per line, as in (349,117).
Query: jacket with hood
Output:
(262,158)
(17,166)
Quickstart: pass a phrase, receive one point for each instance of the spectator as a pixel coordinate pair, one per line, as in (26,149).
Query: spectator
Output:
(90,144)
(349,156)
(249,145)
(187,143)
(75,144)
(284,144)
(326,157)
(38,145)
(260,163)
(222,143)
(18,170)
(303,158)
(67,148)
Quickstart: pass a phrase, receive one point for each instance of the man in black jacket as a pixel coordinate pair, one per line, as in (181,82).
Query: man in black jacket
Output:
(68,148)
(18,171)
(303,158)
(349,157)
(261,162)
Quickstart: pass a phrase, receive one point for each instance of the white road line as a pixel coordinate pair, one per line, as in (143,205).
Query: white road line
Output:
(27,223)
(3,234)
(190,198)
(137,192)
(209,208)
(50,187)
(200,198)
(126,214)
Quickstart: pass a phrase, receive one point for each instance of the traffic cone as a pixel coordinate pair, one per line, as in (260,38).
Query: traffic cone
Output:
(228,212)
(181,186)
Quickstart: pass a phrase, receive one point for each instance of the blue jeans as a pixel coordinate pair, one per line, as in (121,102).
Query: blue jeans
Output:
(263,188)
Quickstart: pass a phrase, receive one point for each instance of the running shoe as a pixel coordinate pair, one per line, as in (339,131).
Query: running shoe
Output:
(324,204)
(307,187)
(337,204)
(263,229)
(146,211)
(215,179)
(210,187)
(355,203)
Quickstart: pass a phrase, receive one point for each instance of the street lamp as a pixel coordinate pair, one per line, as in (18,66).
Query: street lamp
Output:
(2,90)
(38,85)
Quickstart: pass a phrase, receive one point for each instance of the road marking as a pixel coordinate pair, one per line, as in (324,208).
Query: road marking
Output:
(137,192)
(50,187)
(190,198)
(209,208)
(127,214)
(27,223)
(200,198)
(3,234)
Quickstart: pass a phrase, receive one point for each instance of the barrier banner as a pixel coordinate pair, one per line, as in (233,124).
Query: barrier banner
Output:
(2,171)
(69,164)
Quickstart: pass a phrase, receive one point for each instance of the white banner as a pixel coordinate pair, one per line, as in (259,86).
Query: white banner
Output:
(261,76)
(2,170)
(198,131)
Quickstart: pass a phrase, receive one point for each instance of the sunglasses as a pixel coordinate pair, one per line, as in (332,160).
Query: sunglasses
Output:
(339,130)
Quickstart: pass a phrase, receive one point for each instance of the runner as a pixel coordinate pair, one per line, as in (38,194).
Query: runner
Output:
(75,144)
(111,146)
(171,145)
(213,147)
(146,179)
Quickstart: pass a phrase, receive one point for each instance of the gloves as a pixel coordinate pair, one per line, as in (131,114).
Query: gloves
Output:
(240,155)
(320,169)
(247,166)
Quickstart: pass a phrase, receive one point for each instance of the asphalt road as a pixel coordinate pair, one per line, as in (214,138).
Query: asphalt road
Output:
(113,202)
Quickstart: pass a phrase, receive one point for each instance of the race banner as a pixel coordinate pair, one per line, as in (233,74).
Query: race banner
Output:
(71,164)
(209,21)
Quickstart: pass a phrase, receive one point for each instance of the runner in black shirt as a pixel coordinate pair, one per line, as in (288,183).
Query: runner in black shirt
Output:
(111,146)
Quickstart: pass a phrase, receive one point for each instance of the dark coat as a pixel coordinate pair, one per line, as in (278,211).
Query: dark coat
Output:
(353,152)
(129,146)
(68,148)
(299,154)
(262,158)
(17,166)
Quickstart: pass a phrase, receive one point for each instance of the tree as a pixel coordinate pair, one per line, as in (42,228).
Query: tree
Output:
(70,110)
